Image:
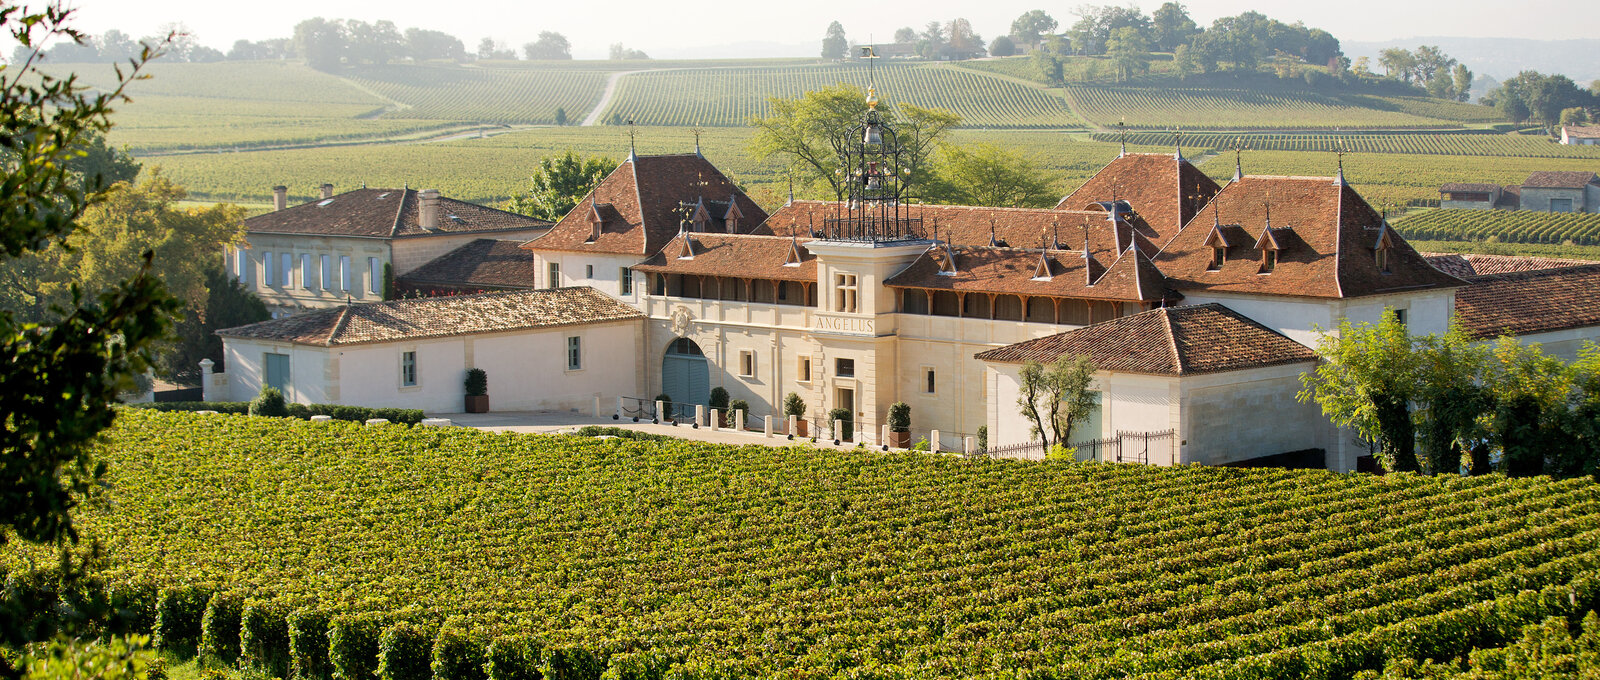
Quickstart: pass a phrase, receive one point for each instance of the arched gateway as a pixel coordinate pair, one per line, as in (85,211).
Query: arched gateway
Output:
(684,374)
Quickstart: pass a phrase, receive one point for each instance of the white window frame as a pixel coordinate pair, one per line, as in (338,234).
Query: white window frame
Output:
(287,266)
(326,278)
(574,352)
(268,269)
(408,360)
(306,271)
(588,271)
(552,274)
(345,275)
(846,294)
(747,363)
(375,276)
(624,281)
(930,380)
(802,370)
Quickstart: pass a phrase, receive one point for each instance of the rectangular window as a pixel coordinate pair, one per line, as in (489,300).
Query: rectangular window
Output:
(1269,261)
(844,368)
(374,276)
(242,265)
(554,279)
(588,271)
(288,270)
(327,273)
(929,382)
(574,353)
(344,273)
(845,293)
(803,371)
(276,368)
(625,276)
(747,363)
(305,271)
(268,269)
(408,369)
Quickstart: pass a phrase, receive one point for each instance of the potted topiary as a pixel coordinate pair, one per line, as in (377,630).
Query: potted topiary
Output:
(734,407)
(793,405)
(842,415)
(477,384)
(719,401)
(899,425)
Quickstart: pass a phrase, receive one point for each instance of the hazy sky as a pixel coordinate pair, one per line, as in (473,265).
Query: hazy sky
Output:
(664,28)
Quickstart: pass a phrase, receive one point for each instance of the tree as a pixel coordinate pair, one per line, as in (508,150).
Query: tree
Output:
(425,45)
(1057,398)
(1049,67)
(618,52)
(1002,47)
(1029,28)
(834,45)
(1171,27)
(1183,63)
(988,174)
(1095,24)
(1398,63)
(1367,381)
(1451,399)
(114,45)
(1513,109)
(1461,82)
(561,116)
(559,183)
(1531,392)
(60,379)
(320,42)
(810,133)
(964,43)
(379,42)
(550,45)
(909,35)
(1576,115)
(1130,51)
(228,304)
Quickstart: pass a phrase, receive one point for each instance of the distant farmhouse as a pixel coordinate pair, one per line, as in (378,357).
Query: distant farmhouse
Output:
(1199,303)
(1550,191)
(1585,135)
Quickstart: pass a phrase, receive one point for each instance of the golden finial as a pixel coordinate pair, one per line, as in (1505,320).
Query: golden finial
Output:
(872,97)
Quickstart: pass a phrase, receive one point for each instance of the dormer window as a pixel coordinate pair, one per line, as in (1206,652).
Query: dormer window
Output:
(1381,249)
(1382,257)
(1219,255)
(1269,246)
(1269,260)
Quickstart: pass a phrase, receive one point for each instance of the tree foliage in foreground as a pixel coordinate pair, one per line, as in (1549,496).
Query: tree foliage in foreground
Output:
(559,183)
(1056,398)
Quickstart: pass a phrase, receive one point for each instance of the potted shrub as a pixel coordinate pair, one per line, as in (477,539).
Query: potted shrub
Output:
(899,425)
(719,401)
(477,384)
(793,405)
(734,407)
(846,427)
(268,403)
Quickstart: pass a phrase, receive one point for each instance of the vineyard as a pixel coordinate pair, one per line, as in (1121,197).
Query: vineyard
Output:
(1403,143)
(1214,108)
(503,95)
(377,549)
(729,97)
(1510,226)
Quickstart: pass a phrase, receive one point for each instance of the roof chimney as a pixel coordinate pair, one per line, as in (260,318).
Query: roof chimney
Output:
(429,214)
(280,197)
(327,191)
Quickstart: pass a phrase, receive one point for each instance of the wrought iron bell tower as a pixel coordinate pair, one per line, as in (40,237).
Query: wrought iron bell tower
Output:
(873,163)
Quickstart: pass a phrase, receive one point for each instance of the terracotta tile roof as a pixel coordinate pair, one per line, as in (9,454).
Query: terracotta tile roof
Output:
(1560,179)
(1159,188)
(440,317)
(483,263)
(386,213)
(735,255)
(1328,233)
(1518,303)
(1170,341)
(641,203)
(1582,131)
(1015,270)
(962,225)
(1463,265)
(1458,187)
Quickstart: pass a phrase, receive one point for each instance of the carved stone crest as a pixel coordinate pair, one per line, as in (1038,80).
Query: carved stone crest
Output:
(680,321)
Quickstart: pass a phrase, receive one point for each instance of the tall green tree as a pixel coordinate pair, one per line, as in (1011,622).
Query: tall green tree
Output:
(1451,400)
(228,304)
(550,45)
(1367,381)
(1056,398)
(1171,26)
(559,183)
(1130,51)
(1031,27)
(321,43)
(834,44)
(1531,391)
(810,132)
(1096,22)
(988,174)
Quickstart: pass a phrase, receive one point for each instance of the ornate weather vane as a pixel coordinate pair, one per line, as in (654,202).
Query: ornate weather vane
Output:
(873,170)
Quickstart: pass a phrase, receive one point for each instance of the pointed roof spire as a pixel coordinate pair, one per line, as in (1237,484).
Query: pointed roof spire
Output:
(697,132)
(1177,144)
(1338,181)
(1122,128)
(791,191)
(1238,161)
(632,155)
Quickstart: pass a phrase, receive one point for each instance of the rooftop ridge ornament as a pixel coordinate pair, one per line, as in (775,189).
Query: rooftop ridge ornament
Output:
(632,156)
(1122,130)
(872,163)
(1177,144)
(697,130)
(1238,159)
(1338,180)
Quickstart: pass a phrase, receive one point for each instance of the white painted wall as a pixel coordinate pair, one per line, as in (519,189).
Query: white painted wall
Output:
(527,370)
(607,272)
(1300,318)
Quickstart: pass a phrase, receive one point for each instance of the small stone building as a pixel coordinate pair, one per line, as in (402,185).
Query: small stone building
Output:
(1562,191)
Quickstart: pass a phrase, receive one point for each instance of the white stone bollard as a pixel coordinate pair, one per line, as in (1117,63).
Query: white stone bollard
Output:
(969,446)
(661,415)
(766,427)
(838,431)
(619,408)
(699,414)
(716,419)
(377,421)
(792,426)
(597,406)
(436,422)
(738,420)
(883,435)
(933,441)
(321,419)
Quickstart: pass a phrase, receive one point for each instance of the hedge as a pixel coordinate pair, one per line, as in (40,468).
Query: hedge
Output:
(404,653)
(458,655)
(264,638)
(515,658)
(353,645)
(308,645)
(638,666)
(133,608)
(178,614)
(219,628)
(570,662)
(359,414)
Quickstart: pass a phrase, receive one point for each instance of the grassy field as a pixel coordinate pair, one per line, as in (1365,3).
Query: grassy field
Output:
(1216,108)
(1455,144)
(801,563)
(730,96)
